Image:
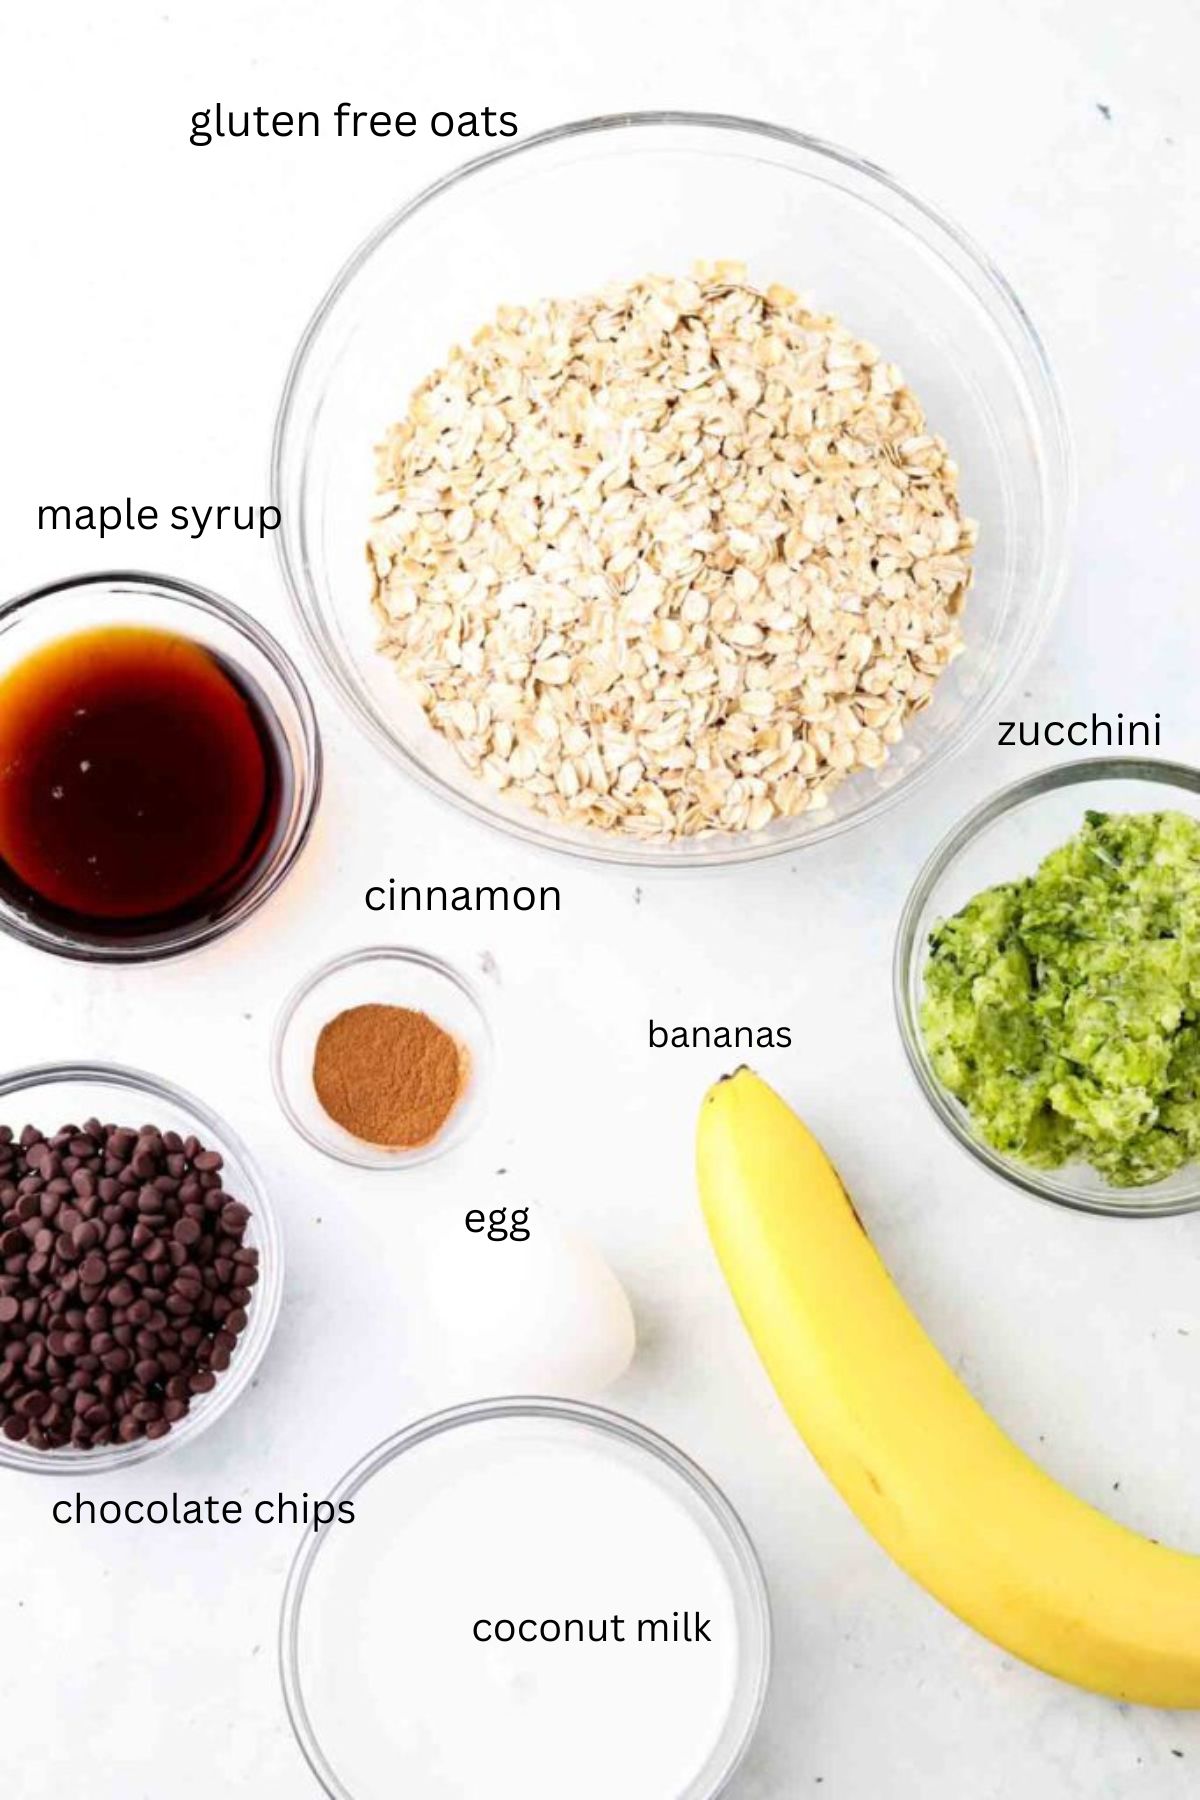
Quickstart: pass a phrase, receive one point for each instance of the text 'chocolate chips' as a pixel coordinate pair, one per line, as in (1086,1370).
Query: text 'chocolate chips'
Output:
(124,1282)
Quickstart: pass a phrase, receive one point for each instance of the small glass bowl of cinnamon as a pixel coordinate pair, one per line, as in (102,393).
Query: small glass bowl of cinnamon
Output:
(382,1057)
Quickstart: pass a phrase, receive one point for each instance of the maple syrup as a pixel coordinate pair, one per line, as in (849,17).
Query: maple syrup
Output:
(142,783)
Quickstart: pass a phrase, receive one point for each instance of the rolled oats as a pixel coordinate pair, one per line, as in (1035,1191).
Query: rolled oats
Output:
(672,558)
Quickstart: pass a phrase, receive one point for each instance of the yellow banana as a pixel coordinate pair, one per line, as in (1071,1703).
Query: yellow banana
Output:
(946,1493)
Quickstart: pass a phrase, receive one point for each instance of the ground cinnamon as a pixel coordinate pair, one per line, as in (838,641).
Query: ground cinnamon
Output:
(387,1074)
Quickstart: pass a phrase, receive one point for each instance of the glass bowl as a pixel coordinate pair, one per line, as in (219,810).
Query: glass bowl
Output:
(386,975)
(421,1462)
(157,601)
(613,198)
(1002,840)
(52,1094)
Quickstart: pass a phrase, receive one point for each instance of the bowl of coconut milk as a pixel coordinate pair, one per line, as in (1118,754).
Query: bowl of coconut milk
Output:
(526,1598)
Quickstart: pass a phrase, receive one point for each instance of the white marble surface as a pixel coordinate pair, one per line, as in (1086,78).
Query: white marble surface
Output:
(151,297)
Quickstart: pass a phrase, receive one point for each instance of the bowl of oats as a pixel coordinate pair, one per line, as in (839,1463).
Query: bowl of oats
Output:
(671,489)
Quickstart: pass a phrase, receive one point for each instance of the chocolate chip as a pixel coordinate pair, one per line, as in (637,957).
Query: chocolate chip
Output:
(124,1282)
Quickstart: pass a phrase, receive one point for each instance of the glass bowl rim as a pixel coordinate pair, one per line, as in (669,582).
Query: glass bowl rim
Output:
(348,959)
(307,771)
(754,1672)
(1006,310)
(1157,772)
(113,1458)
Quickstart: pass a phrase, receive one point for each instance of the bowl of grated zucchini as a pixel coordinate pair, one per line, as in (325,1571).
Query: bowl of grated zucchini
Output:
(1047,985)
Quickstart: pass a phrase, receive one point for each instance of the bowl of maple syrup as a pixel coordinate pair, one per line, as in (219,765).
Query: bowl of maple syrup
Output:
(160,767)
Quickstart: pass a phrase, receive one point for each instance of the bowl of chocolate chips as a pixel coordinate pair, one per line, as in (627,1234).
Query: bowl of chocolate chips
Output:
(141,1268)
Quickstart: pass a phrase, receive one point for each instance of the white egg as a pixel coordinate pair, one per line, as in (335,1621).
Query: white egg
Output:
(542,1316)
